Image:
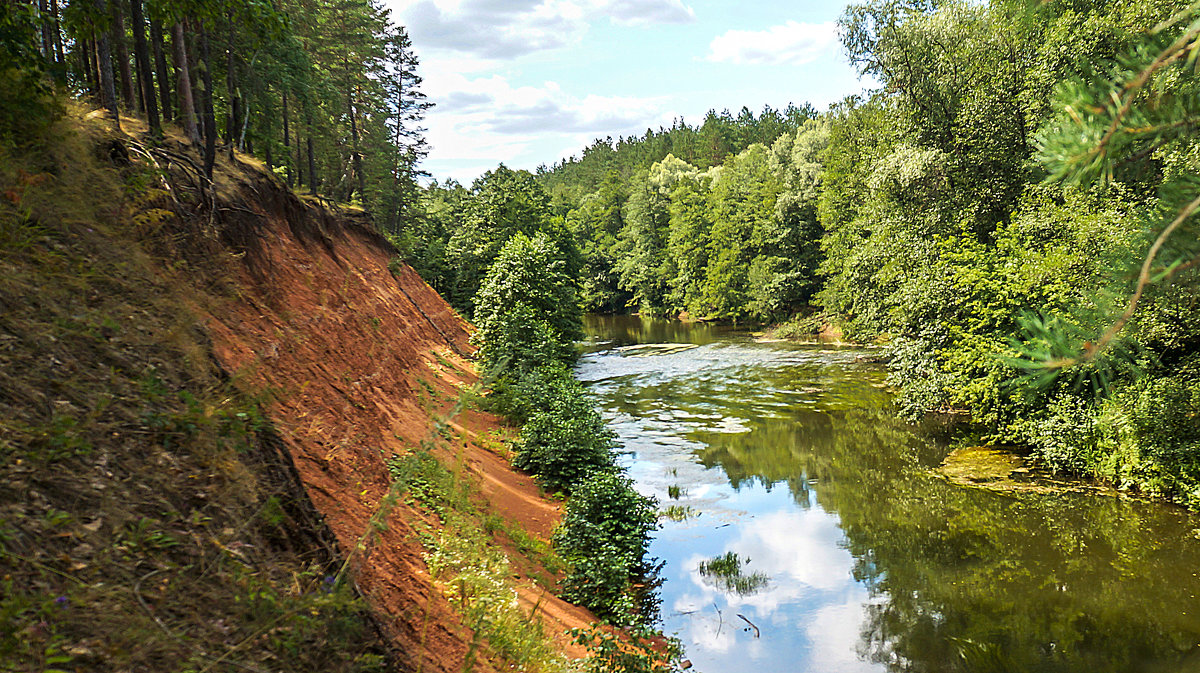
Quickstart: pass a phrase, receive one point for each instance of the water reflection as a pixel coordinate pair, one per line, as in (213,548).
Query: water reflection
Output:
(790,457)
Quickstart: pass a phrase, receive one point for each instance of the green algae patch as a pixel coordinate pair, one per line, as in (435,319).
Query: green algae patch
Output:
(1005,471)
(975,465)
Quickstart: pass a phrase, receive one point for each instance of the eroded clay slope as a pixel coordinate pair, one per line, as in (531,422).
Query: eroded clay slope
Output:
(353,360)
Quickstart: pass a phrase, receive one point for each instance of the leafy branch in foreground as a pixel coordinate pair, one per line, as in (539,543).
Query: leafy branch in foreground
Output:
(1149,108)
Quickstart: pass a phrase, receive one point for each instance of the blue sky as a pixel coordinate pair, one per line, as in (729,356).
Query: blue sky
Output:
(527,82)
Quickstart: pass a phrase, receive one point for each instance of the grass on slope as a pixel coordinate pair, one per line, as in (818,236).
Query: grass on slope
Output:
(149,519)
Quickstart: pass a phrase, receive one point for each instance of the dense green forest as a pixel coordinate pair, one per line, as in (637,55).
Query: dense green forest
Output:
(1010,212)
(325,92)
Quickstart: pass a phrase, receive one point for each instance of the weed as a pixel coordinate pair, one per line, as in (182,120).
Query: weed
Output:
(429,389)
(679,513)
(675,492)
(725,572)
(140,536)
(57,519)
(444,362)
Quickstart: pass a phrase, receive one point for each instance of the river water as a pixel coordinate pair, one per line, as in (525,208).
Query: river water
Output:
(837,550)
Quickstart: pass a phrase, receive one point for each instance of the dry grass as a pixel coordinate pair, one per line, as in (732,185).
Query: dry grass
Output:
(148,519)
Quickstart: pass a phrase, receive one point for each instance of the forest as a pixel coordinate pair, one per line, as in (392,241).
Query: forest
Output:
(325,93)
(1011,214)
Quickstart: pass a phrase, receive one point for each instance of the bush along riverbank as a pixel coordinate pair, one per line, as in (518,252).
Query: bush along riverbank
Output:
(528,319)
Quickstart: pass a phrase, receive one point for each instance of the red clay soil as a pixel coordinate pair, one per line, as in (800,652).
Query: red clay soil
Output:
(352,361)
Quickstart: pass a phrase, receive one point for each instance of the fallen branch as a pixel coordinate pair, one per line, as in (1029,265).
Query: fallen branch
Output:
(757,633)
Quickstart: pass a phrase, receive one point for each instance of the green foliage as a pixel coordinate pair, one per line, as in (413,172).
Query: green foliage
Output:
(1020,302)
(528,319)
(564,439)
(32,637)
(526,312)
(603,536)
(479,223)
(635,650)
(27,104)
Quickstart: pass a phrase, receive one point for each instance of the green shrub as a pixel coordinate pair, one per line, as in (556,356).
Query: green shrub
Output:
(1065,437)
(637,650)
(27,102)
(604,535)
(565,439)
(526,311)
(1151,438)
(518,397)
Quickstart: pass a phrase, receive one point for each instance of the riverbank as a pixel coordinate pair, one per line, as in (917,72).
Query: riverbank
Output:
(848,552)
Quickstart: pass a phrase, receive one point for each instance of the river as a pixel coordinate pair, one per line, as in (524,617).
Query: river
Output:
(837,550)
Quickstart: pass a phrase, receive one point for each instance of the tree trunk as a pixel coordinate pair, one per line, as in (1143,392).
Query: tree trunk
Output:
(44,20)
(299,163)
(59,57)
(287,145)
(86,51)
(94,55)
(231,84)
(141,51)
(210,121)
(121,53)
(187,104)
(312,162)
(160,64)
(108,90)
(357,156)
(191,29)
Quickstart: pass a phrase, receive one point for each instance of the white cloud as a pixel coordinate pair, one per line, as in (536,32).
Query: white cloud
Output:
(506,29)
(792,43)
(835,632)
(494,29)
(487,117)
(646,12)
(811,593)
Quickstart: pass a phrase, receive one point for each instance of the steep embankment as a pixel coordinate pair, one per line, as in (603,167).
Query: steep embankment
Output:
(201,386)
(359,357)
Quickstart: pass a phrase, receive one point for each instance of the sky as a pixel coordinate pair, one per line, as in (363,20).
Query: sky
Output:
(531,82)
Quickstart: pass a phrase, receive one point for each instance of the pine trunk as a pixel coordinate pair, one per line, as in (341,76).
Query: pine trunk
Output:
(312,162)
(287,145)
(160,65)
(210,121)
(104,68)
(59,56)
(86,51)
(44,20)
(299,163)
(187,104)
(357,157)
(119,51)
(191,28)
(141,50)
(231,121)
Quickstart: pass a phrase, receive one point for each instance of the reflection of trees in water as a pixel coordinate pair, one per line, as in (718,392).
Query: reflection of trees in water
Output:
(968,580)
(633,329)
